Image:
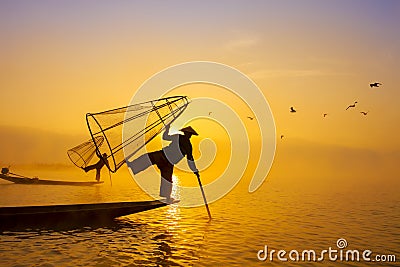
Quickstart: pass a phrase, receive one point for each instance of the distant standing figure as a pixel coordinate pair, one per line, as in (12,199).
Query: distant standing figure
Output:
(98,165)
(166,158)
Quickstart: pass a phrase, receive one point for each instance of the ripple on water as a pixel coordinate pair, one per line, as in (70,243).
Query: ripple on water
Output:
(242,224)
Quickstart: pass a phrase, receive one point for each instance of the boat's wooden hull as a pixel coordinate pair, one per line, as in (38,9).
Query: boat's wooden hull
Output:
(58,216)
(19,180)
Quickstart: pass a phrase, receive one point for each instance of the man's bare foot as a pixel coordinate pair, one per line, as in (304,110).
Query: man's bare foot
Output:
(171,200)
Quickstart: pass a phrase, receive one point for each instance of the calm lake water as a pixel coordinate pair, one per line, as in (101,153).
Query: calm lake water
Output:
(281,217)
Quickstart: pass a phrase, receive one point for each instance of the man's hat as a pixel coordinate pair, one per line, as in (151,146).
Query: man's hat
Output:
(189,130)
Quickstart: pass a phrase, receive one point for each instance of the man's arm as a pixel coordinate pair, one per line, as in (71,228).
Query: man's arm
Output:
(105,160)
(166,135)
(191,163)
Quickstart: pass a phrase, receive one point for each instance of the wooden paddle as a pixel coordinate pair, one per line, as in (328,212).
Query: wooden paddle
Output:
(204,196)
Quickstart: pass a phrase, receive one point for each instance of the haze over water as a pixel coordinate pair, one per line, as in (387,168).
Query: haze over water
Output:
(278,216)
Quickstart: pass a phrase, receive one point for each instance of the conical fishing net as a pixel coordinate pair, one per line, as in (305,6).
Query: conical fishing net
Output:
(140,123)
(82,154)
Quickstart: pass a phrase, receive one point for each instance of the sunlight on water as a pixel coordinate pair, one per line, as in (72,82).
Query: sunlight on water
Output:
(175,187)
(243,223)
(173,210)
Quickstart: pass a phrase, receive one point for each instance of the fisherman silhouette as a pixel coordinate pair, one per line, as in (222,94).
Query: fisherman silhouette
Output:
(98,165)
(166,158)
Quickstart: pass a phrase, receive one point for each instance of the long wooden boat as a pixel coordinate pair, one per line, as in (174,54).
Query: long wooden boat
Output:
(58,216)
(28,180)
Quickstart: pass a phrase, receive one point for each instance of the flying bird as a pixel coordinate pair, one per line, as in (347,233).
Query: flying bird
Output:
(325,114)
(292,110)
(374,84)
(209,113)
(364,113)
(251,118)
(282,136)
(352,106)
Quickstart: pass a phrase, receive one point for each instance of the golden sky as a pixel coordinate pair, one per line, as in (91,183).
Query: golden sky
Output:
(62,59)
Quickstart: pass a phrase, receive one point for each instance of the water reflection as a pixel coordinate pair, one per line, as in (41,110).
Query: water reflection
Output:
(174,236)
(173,210)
